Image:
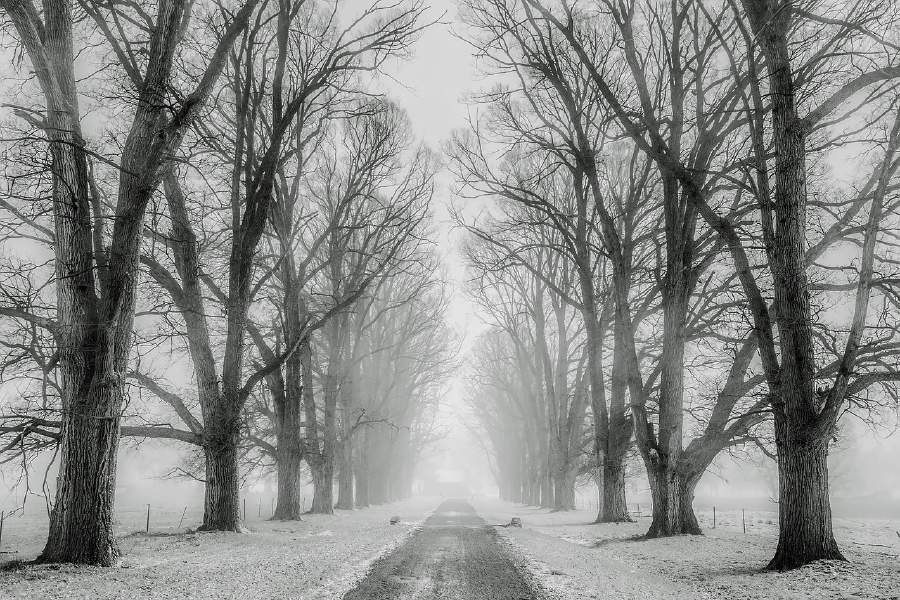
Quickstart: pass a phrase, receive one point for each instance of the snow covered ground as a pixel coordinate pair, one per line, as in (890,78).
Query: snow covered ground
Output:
(574,560)
(319,558)
(324,556)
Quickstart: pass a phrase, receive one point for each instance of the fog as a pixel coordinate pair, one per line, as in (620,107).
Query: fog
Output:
(301,261)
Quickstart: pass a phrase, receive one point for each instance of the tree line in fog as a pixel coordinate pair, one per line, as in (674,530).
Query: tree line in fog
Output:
(216,234)
(681,220)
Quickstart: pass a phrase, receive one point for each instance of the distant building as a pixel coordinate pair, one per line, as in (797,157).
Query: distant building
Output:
(449,482)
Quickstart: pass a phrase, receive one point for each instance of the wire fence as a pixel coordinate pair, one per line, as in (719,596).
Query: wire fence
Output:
(18,530)
(151,518)
(707,516)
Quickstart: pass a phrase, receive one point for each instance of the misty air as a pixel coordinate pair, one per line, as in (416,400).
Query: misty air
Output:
(449,299)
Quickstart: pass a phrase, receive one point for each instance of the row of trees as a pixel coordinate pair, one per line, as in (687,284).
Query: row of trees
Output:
(237,254)
(710,189)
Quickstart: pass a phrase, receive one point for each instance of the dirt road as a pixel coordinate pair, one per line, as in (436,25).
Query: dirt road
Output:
(454,557)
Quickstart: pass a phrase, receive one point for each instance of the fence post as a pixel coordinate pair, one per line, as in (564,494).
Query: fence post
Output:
(2,518)
(304,505)
(260,507)
(743,520)
(180,521)
(245,509)
(714,517)
(273,506)
(148,518)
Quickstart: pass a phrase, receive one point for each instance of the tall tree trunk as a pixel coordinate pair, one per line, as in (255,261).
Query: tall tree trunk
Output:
(323,487)
(546,475)
(345,476)
(615,508)
(804,507)
(221,501)
(662,454)
(289,504)
(318,459)
(81,522)
(287,394)
(564,488)
(805,532)
(361,469)
(685,489)
(516,478)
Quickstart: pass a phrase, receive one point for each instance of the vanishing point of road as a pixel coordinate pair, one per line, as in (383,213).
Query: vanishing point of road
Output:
(456,556)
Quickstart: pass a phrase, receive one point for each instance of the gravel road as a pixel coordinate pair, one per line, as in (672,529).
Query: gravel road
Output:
(455,556)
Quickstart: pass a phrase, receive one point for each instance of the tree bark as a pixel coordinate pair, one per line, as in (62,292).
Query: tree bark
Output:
(618,439)
(615,508)
(345,476)
(673,496)
(323,488)
(804,516)
(801,433)
(81,522)
(289,504)
(361,470)
(221,501)
(687,486)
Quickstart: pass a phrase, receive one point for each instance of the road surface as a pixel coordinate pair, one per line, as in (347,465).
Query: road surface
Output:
(456,556)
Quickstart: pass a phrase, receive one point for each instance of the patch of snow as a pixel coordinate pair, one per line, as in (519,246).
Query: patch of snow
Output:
(574,559)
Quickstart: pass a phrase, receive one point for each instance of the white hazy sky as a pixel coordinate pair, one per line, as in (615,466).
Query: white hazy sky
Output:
(431,86)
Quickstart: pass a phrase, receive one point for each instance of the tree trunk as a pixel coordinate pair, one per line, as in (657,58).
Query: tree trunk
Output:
(345,477)
(516,482)
(222,511)
(685,489)
(804,517)
(535,484)
(289,505)
(564,489)
(323,487)
(615,508)
(378,492)
(362,488)
(671,493)
(361,469)
(546,487)
(81,523)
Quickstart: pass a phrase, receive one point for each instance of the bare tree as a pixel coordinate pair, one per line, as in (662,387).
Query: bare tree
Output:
(804,99)
(254,158)
(96,282)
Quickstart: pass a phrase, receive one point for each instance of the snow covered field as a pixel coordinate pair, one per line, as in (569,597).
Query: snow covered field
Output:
(574,560)
(317,559)
(324,556)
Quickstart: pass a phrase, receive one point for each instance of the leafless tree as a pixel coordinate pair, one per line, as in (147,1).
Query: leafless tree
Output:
(268,121)
(793,97)
(96,275)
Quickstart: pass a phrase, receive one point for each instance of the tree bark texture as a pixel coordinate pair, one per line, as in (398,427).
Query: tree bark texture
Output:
(289,504)
(221,499)
(81,522)
(615,508)
(804,506)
